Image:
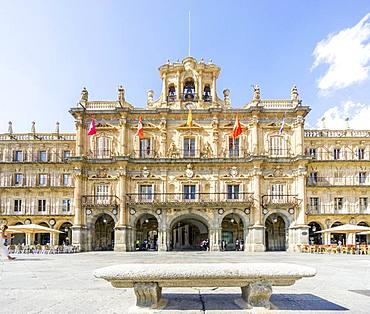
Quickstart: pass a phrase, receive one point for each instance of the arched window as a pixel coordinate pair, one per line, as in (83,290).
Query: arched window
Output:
(207,94)
(171,93)
(103,147)
(189,90)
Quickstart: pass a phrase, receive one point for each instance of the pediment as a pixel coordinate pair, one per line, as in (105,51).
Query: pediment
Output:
(185,127)
(104,125)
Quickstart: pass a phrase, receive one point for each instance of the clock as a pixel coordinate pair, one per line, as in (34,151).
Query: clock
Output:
(189,105)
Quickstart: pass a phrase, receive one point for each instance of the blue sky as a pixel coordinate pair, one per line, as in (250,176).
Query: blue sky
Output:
(49,50)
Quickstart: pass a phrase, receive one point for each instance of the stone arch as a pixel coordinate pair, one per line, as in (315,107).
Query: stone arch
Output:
(277,231)
(134,218)
(43,238)
(102,231)
(102,212)
(337,236)
(313,237)
(19,238)
(146,234)
(189,231)
(287,217)
(233,235)
(66,236)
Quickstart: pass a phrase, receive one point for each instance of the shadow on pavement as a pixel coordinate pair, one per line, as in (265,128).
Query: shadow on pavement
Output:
(226,302)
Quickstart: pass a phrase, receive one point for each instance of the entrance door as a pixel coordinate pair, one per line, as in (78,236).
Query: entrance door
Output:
(275,234)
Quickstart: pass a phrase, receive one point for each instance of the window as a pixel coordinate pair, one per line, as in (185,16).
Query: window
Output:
(207,94)
(336,153)
(102,147)
(146,193)
(233,147)
(145,148)
(313,178)
(42,206)
(189,90)
(17,205)
(338,203)
(277,193)
(66,179)
(277,146)
(233,191)
(314,204)
(189,192)
(171,93)
(18,179)
(362,177)
(102,194)
(66,154)
(189,147)
(312,152)
(364,201)
(360,153)
(43,179)
(18,155)
(66,205)
(42,155)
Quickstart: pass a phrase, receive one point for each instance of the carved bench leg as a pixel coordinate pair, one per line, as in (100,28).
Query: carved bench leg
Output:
(257,294)
(148,294)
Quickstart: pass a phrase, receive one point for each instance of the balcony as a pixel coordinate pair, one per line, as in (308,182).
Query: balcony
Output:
(34,210)
(163,199)
(100,154)
(100,201)
(344,181)
(341,155)
(326,209)
(279,152)
(144,154)
(34,157)
(280,200)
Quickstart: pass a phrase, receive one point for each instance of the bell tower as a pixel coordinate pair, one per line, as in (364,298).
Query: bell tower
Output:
(188,84)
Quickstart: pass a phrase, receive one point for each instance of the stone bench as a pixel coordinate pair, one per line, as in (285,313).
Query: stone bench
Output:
(255,279)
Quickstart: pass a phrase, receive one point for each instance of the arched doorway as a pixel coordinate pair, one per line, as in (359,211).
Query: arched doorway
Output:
(104,233)
(66,236)
(336,237)
(314,238)
(19,238)
(275,233)
(43,238)
(187,233)
(146,233)
(232,233)
(362,238)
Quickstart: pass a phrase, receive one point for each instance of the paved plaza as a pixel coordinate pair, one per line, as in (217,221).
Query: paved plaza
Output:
(64,284)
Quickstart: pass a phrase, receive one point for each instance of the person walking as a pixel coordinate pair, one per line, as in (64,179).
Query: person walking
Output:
(3,238)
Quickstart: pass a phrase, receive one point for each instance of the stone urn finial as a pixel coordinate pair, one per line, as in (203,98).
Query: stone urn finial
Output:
(294,96)
(33,127)
(227,100)
(150,97)
(121,94)
(256,93)
(84,95)
(57,128)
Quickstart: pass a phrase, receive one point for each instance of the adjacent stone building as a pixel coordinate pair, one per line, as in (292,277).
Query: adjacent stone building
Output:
(270,188)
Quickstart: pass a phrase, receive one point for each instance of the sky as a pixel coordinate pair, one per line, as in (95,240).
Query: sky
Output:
(50,50)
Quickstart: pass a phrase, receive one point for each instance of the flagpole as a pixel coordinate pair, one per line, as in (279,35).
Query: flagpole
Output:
(189,36)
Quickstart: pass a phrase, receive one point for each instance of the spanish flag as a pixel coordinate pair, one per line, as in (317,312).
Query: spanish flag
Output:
(189,123)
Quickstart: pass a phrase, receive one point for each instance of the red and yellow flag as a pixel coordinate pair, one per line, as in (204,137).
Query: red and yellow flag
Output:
(237,130)
(189,122)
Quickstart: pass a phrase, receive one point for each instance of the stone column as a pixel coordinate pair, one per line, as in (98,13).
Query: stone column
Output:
(164,88)
(162,240)
(79,138)
(123,125)
(213,88)
(200,91)
(254,137)
(78,228)
(120,232)
(178,87)
(256,234)
(214,244)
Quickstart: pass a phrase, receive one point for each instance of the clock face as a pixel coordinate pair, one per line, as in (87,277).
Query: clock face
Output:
(189,105)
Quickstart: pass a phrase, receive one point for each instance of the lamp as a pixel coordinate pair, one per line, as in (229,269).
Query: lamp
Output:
(146,220)
(274,218)
(313,228)
(104,220)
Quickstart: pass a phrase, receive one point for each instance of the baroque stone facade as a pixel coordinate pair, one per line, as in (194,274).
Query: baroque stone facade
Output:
(270,188)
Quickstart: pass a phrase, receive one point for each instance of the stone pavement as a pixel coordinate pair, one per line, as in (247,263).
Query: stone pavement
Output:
(64,284)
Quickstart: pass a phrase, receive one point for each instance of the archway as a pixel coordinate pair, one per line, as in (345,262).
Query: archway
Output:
(187,233)
(146,233)
(66,236)
(314,238)
(43,238)
(104,233)
(19,238)
(336,237)
(362,238)
(232,233)
(275,233)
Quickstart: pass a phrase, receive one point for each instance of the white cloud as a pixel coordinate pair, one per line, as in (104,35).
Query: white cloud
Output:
(347,54)
(335,117)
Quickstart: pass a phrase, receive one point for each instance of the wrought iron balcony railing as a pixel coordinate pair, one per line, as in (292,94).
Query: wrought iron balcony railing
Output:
(339,155)
(273,200)
(100,154)
(144,153)
(344,181)
(34,157)
(99,200)
(279,152)
(239,197)
(323,209)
